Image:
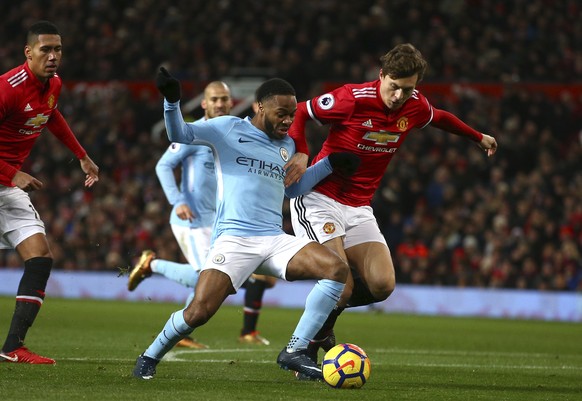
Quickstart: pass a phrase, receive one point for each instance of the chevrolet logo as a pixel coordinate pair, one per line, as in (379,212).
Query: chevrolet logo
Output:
(382,137)
(36,122)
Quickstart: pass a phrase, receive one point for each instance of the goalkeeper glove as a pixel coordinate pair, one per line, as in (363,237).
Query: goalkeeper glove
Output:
(344,163)
(168,85)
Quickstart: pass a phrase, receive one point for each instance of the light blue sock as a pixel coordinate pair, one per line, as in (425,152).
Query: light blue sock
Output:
(182,273)
(174,330)
(318,305)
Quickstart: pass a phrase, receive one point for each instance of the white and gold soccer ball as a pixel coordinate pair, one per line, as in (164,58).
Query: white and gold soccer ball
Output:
(346,366)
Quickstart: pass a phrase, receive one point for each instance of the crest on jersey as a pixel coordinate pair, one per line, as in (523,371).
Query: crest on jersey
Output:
(174,147)
(326,102)
(402,123)
(218,259)
(382,137)
(329,228)
(51,101)
(284,154)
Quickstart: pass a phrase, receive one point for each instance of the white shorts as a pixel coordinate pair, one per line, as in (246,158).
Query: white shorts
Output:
(321,218)
(239,257)
(19,220)
(194,243)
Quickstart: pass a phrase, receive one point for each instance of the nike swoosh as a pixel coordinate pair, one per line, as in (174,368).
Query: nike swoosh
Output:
(351,364)
(311,367)
(240,140)
(10,358)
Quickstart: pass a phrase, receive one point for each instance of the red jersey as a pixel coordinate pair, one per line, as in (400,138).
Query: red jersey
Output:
(360,123)
(27,106)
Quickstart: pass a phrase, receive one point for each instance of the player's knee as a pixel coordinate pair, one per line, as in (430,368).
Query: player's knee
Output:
(338,270)
(381,291)
(197,314)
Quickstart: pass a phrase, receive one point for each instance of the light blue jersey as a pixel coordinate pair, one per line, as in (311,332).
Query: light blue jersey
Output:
(249,170)
(197,185)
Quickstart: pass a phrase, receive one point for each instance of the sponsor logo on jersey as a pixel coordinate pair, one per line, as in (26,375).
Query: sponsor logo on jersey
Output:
(368,123)
(37,121)
(326,102)
(240,140)
(261,167)
(27,108)
(174,147)
(284,154)
(382,137)
(402,123)
(329,228)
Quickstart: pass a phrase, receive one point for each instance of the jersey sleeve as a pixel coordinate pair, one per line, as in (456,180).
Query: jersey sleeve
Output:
(334,106)
(451,123)
(171,159)
(60,129)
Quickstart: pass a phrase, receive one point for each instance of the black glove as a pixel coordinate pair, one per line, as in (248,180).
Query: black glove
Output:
(168,85)
(344,163)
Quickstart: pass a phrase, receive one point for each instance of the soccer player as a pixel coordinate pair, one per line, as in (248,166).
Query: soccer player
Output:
(370,120)
(247,234)
(29,96)
(191,220)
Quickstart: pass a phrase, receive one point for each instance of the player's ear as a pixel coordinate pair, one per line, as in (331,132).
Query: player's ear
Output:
(27,52)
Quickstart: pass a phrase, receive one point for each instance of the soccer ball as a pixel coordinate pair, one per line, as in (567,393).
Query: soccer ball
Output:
(346,366)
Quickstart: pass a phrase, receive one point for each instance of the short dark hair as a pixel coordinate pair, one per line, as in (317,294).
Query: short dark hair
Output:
(273,87)
(41,28)
(403,61)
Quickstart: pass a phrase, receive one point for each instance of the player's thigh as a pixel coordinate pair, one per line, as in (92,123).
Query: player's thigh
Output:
(315,261)
(373,262)
(20,225)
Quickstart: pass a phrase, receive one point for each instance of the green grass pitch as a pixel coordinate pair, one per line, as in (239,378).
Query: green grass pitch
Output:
(413,357)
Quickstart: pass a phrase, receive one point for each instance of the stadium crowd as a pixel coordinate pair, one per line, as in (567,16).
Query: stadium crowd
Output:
(450,215)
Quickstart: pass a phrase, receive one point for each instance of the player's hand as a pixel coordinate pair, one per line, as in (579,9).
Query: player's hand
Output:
(26,182)
(295,168)
(91,169)
(345,163)
(168,85)
(489,144)
(184,212)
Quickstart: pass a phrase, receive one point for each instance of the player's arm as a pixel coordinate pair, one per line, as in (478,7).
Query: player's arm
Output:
(295,168)
(61,130)
(165,172)
(177,129)
(344,163)
(449,122)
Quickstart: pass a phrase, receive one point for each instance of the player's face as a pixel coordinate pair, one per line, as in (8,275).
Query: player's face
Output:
(216,102)
(44,56)
(395,92)
(278,114)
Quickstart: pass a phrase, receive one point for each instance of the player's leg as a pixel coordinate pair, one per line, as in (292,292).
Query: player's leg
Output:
(254,287)
(194,243)
(213,288)
(376,279)
(24,231)
(311,261)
